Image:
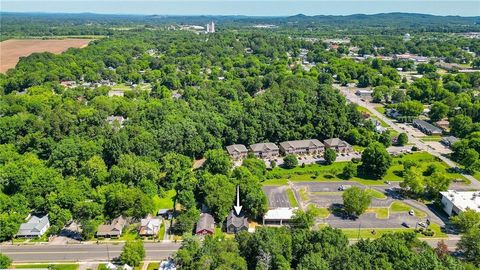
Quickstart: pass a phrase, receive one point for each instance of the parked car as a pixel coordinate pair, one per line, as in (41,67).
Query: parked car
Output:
(344,187)
(404,224)
(411,212)
(422,224)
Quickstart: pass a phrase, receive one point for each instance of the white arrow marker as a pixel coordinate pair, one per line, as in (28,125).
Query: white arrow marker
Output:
(238,207)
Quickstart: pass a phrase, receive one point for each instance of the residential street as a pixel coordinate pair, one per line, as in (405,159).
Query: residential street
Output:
(81,252)
(350,95)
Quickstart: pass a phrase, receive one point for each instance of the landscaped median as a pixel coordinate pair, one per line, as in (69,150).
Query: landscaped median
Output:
(376,232)
(66,266)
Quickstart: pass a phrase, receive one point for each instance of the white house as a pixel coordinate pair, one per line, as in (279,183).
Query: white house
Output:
(454,202)
(34,227)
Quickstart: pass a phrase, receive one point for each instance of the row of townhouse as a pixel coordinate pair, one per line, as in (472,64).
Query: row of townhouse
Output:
(299,147)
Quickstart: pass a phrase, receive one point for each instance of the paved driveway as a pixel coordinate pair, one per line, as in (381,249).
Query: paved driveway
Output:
(277,196)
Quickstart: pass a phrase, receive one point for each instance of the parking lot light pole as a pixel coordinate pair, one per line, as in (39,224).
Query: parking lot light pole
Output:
(359,225)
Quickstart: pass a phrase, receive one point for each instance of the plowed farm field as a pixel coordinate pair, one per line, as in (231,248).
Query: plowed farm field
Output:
(11,50)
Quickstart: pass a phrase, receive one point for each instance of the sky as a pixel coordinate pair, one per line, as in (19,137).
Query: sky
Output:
(246,7)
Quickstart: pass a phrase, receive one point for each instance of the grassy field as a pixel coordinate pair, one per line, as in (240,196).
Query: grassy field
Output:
(72,266)
(367,233)
(332,173)
(161,232)
(164,203)
(376,194)
(130,233)
(402,207)
(381,212)
(291,198)
(380,109)
(153,265)
(431,138)
(319,211)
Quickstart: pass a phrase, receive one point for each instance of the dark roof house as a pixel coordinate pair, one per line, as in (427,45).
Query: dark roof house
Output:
(236,223)
(205,225)
(114,229)
(426,127)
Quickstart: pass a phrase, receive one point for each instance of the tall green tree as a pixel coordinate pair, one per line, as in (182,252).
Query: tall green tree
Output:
(133,253)
(355,201)
(375,160)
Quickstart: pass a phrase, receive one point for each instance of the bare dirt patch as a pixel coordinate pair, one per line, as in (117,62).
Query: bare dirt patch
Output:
(11,50)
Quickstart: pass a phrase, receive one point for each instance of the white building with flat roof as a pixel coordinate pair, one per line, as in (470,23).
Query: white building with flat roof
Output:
(279,216)
(454,202)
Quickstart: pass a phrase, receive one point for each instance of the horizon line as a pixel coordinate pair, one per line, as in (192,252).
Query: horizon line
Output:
(228,15)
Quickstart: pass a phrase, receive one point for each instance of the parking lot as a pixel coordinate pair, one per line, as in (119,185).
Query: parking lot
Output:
(277,196)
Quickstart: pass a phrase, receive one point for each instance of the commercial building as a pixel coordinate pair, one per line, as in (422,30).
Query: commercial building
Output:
(426,127)
(338,145)
(264,150)
(454,202)
(302,147)
(278,216)
(237,151)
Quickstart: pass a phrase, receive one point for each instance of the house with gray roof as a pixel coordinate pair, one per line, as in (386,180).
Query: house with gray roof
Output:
(265,150)
(237,151)
(236,223)
(302,147)
(205,224)
(426,127)
(449,140)
(149,226)
(35,227)
(114,229)
(338,145)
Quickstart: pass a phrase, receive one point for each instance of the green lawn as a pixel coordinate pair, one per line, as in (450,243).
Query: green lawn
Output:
(291,198)
(367,233)
(161,232)
(381,212)
(303,194)
(138,267)
(275,182)
(376,194)
(380,109)
(153,265)
(332,173)
(72,266)
(165,202)
(319,211)
(327,193)
(402,207)
(130,233)
(431,138)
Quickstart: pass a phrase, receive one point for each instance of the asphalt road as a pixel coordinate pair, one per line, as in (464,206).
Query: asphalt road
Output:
(81,252)
(277,196)
(350,95)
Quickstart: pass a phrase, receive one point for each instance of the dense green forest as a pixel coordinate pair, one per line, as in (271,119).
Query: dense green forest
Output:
(187,95)
(327,248)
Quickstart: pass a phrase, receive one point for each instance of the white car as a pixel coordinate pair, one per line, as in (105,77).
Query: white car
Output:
(411,212)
